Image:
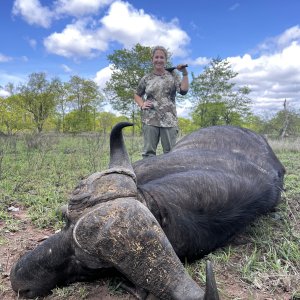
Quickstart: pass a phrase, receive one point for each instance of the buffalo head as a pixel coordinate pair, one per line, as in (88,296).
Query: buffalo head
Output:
(108,227)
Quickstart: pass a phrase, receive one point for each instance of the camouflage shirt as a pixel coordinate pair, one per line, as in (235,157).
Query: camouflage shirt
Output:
(161,90)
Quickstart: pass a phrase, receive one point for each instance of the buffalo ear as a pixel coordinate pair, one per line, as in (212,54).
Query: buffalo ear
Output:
(118,153)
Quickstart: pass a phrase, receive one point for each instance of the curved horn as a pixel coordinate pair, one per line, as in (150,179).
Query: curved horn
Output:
(211,290)
(118,153)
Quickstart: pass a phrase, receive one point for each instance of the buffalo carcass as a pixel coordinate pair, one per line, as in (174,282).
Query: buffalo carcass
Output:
(142,219)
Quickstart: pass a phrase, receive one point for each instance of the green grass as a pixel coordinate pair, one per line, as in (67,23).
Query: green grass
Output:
(67,292)
(39,172)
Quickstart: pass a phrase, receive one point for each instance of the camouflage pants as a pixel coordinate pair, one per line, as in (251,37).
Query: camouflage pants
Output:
(152,135)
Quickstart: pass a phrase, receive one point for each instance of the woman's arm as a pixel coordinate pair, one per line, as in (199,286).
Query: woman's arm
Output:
(184,85)
(138,100)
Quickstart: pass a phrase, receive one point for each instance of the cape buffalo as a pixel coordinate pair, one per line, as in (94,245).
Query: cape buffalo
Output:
(143,219)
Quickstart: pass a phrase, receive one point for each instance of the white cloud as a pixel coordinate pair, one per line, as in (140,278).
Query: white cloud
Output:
(4,93)
(86,38)
(76,40)
(103,76)
(4,58)
(289,35)
(33,12)
(201,61)
(278,43)
(66,68)
(139,27)
(80,8)
(275,76)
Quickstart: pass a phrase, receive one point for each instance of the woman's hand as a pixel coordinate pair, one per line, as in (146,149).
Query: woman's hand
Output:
(181,67)
(147,105)
(140,102)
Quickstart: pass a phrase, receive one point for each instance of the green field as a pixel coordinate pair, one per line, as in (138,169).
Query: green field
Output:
(37,173)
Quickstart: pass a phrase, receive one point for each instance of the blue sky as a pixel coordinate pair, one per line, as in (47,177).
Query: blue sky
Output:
(260,38)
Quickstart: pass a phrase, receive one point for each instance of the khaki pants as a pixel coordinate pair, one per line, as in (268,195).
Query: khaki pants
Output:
(153,134)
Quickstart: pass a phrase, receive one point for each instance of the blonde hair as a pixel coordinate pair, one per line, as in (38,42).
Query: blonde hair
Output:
(163,49)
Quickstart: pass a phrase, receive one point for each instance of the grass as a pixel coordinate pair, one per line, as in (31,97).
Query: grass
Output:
(39,172)
(67,292)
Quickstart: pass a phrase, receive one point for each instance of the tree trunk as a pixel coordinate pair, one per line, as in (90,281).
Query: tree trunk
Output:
(285,122)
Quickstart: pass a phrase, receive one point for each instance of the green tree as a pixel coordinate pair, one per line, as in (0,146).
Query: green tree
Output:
(12,117)
(106,121)
(85,97)
(215,96)
(208,114)
(38,97)
(62,103)
(255,123)
(186,126)
(279,122)
(79,121)
(84,93)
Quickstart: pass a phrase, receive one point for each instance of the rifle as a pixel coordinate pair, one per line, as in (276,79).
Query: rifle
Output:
(170,69)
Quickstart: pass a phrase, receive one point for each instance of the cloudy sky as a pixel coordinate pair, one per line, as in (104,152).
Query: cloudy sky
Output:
(260,38)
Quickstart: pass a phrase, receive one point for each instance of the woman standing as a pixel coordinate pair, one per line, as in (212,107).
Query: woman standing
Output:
(155,95)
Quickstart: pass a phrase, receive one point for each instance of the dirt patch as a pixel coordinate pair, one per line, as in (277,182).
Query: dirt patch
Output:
(14,244)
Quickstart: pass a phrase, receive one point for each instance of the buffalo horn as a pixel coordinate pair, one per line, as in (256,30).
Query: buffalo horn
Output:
(211,290)
(118,153)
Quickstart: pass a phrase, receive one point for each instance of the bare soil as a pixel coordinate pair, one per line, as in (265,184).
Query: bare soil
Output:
(27,237)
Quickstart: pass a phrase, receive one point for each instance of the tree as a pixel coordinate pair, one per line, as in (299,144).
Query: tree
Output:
(106,121)
(285,121)
(37,96)
(85,96)
(208,114)
(255,123)
(62,100)
(186,126)
(216,99)
(84,93)
(79,121)
(12,116)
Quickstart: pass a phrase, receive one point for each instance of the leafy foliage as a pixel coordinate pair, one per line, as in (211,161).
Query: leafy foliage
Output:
(275,125)
(216,101)
(13,117)
(84,94)
(37,97)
